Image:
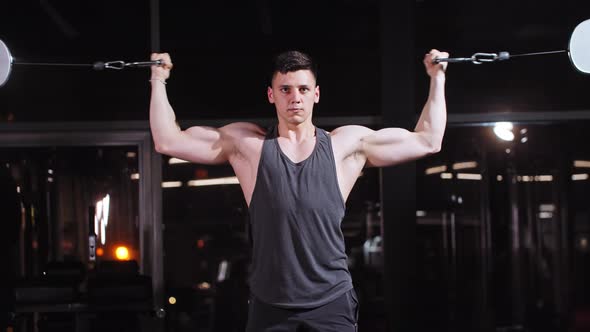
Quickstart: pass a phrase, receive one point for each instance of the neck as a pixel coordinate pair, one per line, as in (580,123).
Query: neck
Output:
(296,132)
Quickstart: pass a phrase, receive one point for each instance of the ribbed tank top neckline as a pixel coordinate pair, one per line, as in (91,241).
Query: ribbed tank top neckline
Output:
(275,136)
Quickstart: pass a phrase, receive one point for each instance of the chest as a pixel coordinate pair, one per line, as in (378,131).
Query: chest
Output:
(297,151)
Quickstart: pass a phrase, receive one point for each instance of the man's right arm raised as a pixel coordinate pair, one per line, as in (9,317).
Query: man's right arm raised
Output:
(204,145)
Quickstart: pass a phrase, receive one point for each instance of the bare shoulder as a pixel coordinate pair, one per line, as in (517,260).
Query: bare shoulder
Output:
(228,134)
(347,134)
(243,130)
(243,140)
(347,140)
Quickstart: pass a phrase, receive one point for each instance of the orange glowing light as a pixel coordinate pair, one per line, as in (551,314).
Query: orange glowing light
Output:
(122,253)
(99,252)
(201,173)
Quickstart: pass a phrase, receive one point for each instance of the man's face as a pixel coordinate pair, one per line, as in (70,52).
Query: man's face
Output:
(294,95)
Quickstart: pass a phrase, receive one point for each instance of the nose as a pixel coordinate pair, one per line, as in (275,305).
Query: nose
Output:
(296,97)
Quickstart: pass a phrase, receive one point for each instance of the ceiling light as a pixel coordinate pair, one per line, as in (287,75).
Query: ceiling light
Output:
(504,131)
(465,165)
(213,182)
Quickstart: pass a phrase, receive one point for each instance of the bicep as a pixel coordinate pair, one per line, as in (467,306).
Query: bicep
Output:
(202,145)
(391,146)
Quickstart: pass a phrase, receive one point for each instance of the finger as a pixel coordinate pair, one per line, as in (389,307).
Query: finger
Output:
(158,56)
(429,57)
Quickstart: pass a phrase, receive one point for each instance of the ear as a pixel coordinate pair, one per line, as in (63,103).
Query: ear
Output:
(271,98)
(316,97)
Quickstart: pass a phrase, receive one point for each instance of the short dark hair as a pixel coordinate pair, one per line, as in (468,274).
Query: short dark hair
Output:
(291,61)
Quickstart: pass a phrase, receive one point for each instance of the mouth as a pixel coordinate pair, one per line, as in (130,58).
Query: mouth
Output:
(295,109)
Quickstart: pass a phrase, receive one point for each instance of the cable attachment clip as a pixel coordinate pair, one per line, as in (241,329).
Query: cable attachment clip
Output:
(479,58)
(118,65)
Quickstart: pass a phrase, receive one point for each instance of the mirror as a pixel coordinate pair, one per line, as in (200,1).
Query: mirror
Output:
(579,47)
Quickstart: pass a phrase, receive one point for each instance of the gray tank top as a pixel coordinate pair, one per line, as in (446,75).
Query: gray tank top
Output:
(298,257)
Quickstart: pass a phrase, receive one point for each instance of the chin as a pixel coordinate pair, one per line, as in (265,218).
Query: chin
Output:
(295,121)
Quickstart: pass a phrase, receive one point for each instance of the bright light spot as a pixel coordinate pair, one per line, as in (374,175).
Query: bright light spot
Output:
(101,218)
(122,253)
(204,285)
(465,165)
(223,271)
(106,203)
(582,163)
(213,182)
(435,169)
(544,178)
(171,184)
(535,178)
(547,207)
(173,161)
(420,213)
(131,154)
(579,177)
(135,176)
(469,176)
(446,176)
(504,131)
(523,136)
(99,252)
(545,215)
(172,300)
(499,178)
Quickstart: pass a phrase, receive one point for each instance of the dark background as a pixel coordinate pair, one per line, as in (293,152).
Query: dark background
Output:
(221,51)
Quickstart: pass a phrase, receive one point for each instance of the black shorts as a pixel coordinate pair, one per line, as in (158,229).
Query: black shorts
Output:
(339,315)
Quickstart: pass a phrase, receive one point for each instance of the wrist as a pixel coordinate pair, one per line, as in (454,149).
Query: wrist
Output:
(439,77)
(157,80)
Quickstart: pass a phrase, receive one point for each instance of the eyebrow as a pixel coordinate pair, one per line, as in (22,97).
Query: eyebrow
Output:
(290,86)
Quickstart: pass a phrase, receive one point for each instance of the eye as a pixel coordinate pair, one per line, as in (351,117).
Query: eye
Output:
(303,90)
(284,90)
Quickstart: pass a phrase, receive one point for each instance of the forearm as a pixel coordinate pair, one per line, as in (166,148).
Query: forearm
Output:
(432,121)
(162,118)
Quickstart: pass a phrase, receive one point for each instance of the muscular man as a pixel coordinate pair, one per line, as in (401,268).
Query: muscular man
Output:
(296,178)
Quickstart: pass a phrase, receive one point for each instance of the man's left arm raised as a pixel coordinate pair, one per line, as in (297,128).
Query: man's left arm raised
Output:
(390,146)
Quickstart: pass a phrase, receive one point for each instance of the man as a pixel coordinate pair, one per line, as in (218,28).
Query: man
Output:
(296,179)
